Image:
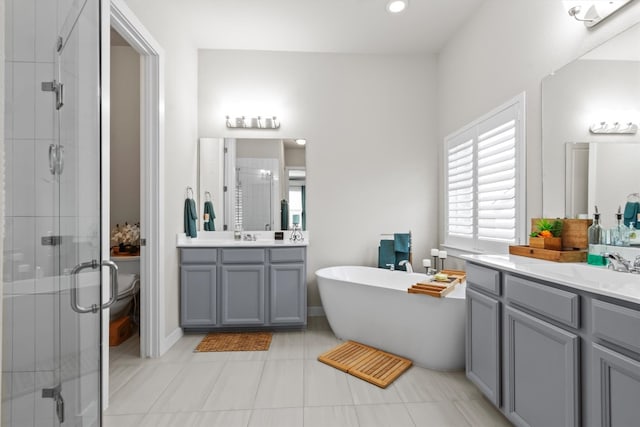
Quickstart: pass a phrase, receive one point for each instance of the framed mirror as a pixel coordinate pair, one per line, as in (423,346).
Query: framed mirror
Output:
(255,184)
(580,168)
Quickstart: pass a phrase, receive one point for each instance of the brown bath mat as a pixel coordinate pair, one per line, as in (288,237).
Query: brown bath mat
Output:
(235,341)
(367,363)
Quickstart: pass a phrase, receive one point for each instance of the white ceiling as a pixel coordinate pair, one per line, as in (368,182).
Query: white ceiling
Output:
(349,26)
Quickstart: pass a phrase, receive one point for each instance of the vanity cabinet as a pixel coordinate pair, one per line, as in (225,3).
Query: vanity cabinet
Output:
(198,287)
(483,344)
(231,288)
(243,287)
(547,354)
(542,372)
(616,376)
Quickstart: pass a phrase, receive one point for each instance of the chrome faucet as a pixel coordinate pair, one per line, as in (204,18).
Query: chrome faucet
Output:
(391,266)
(618,263)
(407,265)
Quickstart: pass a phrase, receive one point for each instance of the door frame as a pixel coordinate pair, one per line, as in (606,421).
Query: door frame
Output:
(152,293)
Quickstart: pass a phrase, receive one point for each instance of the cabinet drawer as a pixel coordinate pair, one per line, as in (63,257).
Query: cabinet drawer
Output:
(242,256)
(554,303)
(619,325)
(485,278)
(198,256)
(286,254)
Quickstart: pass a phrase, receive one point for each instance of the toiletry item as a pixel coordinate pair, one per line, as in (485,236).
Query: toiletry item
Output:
(634,235)
(620,232)
(595,234)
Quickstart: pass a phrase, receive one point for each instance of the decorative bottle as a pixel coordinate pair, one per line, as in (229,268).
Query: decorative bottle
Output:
(620,233)
(595,234)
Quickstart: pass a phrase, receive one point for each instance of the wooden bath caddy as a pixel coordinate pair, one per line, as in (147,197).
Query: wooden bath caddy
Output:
(436,288)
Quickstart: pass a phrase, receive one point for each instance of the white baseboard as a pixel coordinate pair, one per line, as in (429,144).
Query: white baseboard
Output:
(170,340)
(315,311)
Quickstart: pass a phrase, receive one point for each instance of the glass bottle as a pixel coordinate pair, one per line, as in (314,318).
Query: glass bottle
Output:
(595,235)
(620,235)
(634,235)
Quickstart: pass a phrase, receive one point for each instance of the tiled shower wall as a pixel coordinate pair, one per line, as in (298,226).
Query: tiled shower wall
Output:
(29,318)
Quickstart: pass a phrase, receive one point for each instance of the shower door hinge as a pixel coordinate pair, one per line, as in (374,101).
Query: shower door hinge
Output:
(55,394)
(143,242)
(58,88)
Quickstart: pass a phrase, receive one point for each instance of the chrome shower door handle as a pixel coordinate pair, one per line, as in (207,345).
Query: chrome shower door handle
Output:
(75,291)
(113,267)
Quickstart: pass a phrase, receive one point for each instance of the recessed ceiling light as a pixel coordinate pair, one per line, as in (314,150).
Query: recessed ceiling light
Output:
(301,141)
(397,6)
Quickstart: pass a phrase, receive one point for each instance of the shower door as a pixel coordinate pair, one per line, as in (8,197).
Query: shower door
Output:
(74,162)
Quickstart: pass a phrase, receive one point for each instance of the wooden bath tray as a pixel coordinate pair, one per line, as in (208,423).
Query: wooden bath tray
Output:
(439,289)
(548,254)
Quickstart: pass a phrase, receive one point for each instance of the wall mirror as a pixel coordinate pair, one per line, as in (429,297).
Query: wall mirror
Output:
(582,169)
(255,184)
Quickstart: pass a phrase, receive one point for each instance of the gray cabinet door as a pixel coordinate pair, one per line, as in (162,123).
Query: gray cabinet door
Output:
(287,294)
(542,372)
(617,388)
(198,295)
(483,344)
(242,294)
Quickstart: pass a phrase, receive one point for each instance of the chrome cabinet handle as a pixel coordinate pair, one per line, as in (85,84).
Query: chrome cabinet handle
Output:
(93,264)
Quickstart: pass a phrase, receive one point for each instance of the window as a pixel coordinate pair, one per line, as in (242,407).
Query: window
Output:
(484,181)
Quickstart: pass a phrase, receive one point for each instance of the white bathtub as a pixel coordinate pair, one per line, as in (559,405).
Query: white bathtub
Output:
(372,306)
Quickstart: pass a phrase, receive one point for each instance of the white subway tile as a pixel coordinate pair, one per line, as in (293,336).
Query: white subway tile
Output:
(23,402)
(44,103)
(23,177)
(24,333)
(7,334)
(7,386)
(44,181)
(23,248)
(7,260)
(8,32)
(46,30)
(8,178)
(8,100)
(24,88)
(24,35)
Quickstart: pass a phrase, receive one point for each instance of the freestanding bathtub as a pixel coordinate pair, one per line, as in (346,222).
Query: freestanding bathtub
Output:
(372,306)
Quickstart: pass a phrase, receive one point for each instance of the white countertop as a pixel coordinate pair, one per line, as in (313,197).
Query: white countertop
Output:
(594,279)
(217,239)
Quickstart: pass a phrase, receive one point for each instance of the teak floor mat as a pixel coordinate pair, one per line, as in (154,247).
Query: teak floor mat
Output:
(367,363)
(235,341)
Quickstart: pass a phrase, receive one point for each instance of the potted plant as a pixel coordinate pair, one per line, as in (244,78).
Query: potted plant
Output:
(547,235)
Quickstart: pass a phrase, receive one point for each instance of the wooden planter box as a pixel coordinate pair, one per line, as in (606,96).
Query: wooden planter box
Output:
(574,232)
(553,243)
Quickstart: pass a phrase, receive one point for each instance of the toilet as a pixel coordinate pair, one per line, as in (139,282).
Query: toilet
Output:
(128,284)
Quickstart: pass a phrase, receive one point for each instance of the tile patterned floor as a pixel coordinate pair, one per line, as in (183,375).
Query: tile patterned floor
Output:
(285,386)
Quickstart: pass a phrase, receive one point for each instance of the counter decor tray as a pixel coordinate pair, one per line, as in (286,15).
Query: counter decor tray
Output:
(549,254)
(438,289)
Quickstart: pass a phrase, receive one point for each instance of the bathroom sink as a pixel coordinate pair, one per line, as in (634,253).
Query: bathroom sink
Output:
(585,275)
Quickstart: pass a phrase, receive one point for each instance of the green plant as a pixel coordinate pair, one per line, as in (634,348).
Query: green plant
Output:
(546,228)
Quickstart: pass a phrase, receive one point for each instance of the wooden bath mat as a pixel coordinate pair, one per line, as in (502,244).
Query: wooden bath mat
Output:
(367,363)
(235,341)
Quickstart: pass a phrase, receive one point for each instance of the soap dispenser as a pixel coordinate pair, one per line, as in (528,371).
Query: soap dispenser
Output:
(620,233)
(595,235)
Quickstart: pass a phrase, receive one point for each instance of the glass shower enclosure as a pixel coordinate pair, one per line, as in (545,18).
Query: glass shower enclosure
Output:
(52,260)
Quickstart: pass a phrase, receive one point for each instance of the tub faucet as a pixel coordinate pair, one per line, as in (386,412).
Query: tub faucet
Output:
(407,265)
(391,266)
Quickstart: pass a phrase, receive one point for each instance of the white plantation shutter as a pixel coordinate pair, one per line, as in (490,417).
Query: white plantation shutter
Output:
(484,175)
(460,187)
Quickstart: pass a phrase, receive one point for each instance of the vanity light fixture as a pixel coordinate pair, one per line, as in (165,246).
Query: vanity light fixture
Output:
(614,128)
(397,6)
(259,122)
(301,141)
(593,12)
